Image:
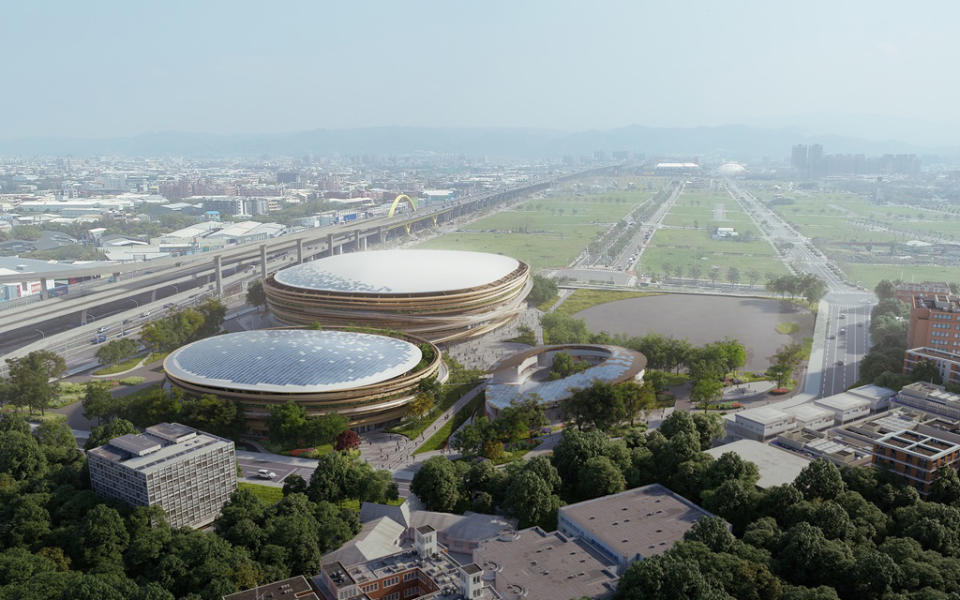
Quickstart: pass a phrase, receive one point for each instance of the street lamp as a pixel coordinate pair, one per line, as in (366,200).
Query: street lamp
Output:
(134,301)
(42,337)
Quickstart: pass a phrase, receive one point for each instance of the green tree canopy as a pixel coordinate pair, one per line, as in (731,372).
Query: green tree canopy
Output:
(33,379)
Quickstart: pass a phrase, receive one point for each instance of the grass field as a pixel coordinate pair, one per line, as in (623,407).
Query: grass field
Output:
(267,494)
(693,249)
(584,299)
(120,368)
(868,275)
(845,225)
(549,231)
(787,327)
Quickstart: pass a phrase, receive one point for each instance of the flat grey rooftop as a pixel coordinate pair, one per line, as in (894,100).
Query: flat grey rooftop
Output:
(776,466)
(647,520)
(146,452)
(399,271)
(547,566)
(293,360)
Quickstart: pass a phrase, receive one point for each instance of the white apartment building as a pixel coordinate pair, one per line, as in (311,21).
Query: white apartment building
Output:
(189,473)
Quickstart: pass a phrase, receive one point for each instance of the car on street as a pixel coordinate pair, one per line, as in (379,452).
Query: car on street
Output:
(839,363)
(101,329)
(266,474)
(842,331)
(831,337)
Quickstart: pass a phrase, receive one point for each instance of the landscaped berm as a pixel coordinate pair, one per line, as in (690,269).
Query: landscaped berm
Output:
(438,295)
(367,378)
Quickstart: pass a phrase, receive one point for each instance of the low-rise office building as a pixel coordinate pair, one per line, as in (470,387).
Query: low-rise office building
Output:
(916,454)
(422,572)
(812,416)
(760,424)
(776,466)
(905,291)
(846,407)
(947,362)
(631,525)
(535,564)
(930,398)
(188,473)
(767,422)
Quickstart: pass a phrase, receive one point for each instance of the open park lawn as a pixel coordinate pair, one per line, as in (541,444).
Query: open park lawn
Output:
(686,247)
(544,232)
(866,238)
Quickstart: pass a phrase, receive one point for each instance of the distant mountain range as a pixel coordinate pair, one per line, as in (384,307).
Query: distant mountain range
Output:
(729,142)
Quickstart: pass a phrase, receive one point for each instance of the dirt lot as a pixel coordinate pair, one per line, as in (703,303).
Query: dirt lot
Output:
(703,319)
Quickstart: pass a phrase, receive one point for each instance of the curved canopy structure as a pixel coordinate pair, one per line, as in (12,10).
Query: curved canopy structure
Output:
(440,295)
(366,377)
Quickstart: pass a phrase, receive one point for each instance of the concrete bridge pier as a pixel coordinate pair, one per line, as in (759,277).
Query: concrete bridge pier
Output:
(218,266)
(300,251)
(329,244)
(43,288)
(263,261)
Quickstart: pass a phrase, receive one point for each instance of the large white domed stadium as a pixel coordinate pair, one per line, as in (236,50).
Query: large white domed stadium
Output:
(365,377)
(439,295)
(731,169)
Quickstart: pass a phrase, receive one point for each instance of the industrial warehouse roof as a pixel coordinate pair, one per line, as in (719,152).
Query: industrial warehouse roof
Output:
(293,360)
(399,271)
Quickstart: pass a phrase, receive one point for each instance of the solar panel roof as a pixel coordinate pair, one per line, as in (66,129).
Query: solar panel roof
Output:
(293,360)
(399,271)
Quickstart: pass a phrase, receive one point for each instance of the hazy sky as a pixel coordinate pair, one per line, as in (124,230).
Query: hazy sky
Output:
(105,68)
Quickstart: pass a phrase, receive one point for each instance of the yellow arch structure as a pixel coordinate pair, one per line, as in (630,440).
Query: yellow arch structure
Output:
(396,201)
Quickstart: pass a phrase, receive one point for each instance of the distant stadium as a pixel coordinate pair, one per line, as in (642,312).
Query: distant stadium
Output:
(439,295)
(367,378)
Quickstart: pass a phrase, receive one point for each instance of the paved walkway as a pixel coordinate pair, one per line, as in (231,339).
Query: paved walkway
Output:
(394,452)
(747,391)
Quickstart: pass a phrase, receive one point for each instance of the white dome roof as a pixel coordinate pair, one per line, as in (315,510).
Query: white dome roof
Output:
(731,168)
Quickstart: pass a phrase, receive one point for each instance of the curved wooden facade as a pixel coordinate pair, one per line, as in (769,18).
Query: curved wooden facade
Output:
(440,317)
(367,406)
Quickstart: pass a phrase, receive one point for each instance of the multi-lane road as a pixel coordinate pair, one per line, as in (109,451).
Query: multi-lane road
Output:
(138,294)
(841,344)
(847,340)
(634,249)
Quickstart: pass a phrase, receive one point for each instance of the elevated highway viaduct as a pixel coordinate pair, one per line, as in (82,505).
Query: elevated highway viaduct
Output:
(144,285)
